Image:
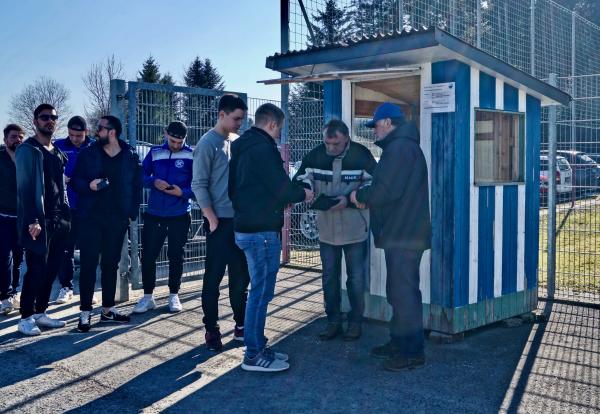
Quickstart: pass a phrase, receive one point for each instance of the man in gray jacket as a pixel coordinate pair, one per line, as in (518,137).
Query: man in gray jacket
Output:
(334,169)
(209,184)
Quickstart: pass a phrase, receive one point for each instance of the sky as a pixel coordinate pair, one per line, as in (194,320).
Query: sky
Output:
(61,39)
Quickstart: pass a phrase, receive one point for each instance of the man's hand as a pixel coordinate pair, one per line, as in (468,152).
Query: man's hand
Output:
(94,184)
(175,191)
(342,204)
(309,195)
(67,179)
(356,202)
(213,223)
(160,185)
(34,230)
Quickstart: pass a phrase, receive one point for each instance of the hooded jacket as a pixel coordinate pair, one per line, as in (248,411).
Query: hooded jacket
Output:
(336,176)
(174,168)
(259,187)
(89,167)
(398,196)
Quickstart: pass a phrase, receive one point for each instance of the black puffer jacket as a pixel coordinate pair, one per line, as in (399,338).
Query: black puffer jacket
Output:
(399,193)
(259,188)
(89,167)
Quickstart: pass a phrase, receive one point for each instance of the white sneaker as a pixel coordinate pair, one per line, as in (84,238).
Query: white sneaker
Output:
(7,306)
(64,295)
(44,321)
(27,326)
(174,303)
(17,300)
(94,300)
(145,304)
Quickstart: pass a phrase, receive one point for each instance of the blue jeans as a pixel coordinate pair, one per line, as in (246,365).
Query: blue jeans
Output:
(262,252)
(331,258)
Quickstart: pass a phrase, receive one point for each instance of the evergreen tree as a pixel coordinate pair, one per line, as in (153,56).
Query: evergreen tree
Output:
(150,72)
(333,24)
(201,74)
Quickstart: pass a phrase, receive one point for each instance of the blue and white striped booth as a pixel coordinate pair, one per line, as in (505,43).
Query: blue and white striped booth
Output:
(482,146)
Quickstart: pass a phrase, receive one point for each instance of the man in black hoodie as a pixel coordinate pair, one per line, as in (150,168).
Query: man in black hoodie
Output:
(398,198)
(259,189)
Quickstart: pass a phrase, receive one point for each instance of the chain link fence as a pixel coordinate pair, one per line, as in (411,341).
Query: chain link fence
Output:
(539,37)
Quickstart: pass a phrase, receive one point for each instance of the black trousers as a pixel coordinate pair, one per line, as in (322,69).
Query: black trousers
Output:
(156,229)
(221,253)
(11,257)
(41,272)
(67,266)
(100,237)
(403,293)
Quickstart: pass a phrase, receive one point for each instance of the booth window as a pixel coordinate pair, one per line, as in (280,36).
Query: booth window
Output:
(499,147)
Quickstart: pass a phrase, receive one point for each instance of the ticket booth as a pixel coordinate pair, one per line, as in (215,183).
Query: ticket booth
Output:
(480,128)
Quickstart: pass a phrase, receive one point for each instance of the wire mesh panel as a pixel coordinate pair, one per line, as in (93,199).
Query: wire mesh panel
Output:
(578,201)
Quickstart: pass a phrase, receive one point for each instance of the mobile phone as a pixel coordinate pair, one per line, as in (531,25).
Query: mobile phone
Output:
(102,184)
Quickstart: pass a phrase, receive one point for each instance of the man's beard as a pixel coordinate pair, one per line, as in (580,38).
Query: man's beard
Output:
(13,146)
(47,132)
(103,141)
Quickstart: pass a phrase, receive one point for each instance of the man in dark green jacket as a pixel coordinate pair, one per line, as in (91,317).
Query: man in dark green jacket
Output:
(398,198)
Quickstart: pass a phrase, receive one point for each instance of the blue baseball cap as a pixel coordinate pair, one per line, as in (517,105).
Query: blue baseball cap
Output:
(383,111)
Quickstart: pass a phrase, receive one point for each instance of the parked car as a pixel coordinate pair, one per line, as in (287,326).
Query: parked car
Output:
(563,176)
(586,172)
(303,220)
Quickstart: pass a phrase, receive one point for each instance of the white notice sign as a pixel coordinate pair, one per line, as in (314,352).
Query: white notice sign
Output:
(439,97)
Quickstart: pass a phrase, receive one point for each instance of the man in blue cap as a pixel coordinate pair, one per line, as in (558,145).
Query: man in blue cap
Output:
(398,199)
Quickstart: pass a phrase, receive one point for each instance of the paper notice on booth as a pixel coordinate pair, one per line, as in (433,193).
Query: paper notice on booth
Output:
(439,97)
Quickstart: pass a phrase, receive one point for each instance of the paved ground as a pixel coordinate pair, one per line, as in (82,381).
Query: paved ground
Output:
(158,364)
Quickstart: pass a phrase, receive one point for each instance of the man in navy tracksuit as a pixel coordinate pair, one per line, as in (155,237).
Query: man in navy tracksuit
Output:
(168,174)
(71,146)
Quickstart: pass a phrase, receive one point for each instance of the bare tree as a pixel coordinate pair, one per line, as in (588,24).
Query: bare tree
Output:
(97,83)
(42,90)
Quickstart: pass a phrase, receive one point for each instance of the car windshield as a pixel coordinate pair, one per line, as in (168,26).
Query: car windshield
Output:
(585,159)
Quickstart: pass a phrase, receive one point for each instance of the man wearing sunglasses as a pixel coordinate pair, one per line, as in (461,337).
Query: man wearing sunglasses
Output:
(168,175)
(71,146)
(42,218)
(108,181)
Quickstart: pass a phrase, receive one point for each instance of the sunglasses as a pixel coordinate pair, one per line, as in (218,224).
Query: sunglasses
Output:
(46,117)
(99,128)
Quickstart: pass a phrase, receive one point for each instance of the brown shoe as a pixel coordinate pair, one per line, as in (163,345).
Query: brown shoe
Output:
(399,363)
(331,331)
(353,332)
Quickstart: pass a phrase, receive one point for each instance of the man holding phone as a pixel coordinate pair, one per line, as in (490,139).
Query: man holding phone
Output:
(108,180)
(168,174)
(334,169)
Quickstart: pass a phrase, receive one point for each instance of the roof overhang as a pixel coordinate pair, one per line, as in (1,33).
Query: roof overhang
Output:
(394,52)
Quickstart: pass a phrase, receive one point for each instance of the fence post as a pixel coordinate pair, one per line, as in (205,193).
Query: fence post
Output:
(478,26)
(452,18)
(532,37)
(401,15)
(136,277)
(551,258)
(285,95)
(117,109)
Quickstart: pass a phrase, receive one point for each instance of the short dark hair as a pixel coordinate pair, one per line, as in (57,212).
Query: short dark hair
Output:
(114,123)
(230,103)
(13,127)
(42,107)
(334,126)
(268,112)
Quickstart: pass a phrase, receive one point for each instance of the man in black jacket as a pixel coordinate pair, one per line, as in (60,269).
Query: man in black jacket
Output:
(42,219)
(11,254)
(259,189)
(108,180)
(399,201)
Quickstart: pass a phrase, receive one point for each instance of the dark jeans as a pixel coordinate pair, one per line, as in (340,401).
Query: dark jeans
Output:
(263,251)
(156,229)
(67,266)
(402,288)
(41,272)
(331,258)
(221,252)
(11,257)
(100,236)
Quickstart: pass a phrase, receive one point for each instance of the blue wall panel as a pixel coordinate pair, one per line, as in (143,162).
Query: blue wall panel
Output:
(509,239)
(450,190)
(511,98)
(485,234)
(532,189)
(487,91)
(332,100)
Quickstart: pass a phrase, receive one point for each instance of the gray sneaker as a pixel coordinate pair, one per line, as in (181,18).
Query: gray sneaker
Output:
(277,355)
(264,362)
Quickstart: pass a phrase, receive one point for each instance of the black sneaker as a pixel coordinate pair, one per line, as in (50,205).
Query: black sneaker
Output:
(238,333)
(113,315)
(400,363)
(353,332)
(331,331)
(85,321)
(385,351)
(213,341)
